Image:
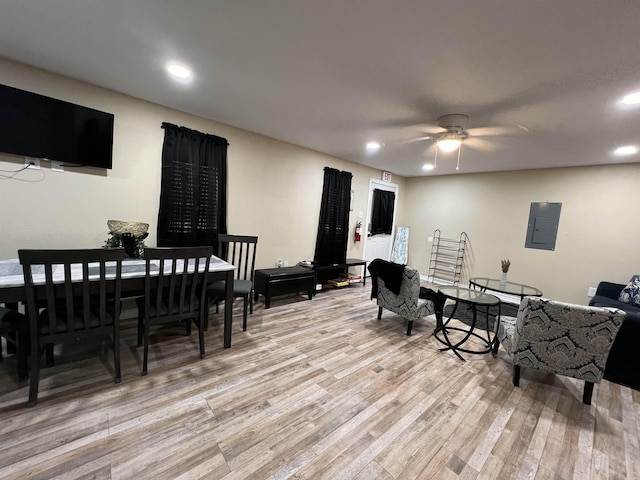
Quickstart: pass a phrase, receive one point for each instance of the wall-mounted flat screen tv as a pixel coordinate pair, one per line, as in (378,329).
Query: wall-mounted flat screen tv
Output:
(37,126)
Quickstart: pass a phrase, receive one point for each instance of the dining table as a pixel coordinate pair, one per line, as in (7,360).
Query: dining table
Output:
(12,289)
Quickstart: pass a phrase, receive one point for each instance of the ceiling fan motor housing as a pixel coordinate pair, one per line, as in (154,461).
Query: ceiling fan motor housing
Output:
(455,122)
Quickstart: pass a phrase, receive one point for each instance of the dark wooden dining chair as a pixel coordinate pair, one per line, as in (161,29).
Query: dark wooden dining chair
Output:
(78,299)
(14,327)
(240,251)
(174,291)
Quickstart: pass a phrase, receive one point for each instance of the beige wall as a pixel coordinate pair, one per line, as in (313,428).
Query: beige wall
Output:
(274,187)
(597,236)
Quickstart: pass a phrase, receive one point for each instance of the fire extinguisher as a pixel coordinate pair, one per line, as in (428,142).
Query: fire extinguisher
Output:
(358,231)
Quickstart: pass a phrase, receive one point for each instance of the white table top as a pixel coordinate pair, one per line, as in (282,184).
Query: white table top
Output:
(11,271)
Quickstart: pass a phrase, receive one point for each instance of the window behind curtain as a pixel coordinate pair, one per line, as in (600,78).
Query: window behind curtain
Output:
(333,227)
(193,195)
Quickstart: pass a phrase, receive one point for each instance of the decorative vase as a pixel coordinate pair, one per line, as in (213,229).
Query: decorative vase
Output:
(503,280)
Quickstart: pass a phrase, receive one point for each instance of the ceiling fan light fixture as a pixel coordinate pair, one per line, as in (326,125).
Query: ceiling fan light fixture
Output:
(449,144)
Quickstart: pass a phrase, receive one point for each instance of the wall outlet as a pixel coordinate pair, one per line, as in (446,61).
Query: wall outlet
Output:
(286,263)
(430,239)
(591,292)
(32,163)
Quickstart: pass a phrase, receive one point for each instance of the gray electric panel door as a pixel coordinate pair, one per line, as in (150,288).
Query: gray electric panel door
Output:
(543,226)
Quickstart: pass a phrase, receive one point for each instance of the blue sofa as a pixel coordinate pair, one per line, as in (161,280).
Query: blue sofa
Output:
(623,364)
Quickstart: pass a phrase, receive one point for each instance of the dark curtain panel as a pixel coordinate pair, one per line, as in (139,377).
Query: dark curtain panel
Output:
(333,228)
(382,212)
(193,195)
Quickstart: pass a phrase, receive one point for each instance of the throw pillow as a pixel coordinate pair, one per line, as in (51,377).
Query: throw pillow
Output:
(631,293)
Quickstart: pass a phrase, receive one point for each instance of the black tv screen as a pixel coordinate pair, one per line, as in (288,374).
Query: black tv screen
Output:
(37,126)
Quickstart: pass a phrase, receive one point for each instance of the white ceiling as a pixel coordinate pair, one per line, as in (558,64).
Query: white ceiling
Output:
(332,74)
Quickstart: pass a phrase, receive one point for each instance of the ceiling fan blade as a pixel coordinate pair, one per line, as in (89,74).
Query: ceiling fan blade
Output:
(431,129)
(493,131)
(419,139)
(481,144)
(404,140)
(428,128)
(425,132)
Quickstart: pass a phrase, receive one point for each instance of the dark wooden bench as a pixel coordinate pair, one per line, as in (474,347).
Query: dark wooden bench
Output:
(272,282)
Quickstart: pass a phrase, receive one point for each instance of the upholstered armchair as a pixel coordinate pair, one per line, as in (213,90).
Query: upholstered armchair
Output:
(566,339)
(397,289)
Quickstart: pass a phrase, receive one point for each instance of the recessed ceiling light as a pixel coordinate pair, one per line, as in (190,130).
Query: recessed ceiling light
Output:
(179,71)
(631,99)
(625,150)
(373,147)
(427,167)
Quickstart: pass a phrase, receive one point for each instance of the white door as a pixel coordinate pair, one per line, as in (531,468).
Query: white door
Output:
(378,246)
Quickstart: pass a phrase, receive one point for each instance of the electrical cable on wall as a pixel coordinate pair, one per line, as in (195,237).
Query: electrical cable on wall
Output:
(16,172)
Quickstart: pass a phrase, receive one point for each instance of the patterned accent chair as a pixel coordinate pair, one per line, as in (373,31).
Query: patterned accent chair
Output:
(408,302)
(566,339)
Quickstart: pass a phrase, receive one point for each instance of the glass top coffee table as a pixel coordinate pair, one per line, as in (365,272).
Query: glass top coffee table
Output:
(477,300)
(511,288)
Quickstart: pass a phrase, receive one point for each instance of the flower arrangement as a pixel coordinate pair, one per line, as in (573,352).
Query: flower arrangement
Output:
(116,240)
(505,268)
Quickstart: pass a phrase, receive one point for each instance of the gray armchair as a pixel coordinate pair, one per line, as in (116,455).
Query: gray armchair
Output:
(403,298)
(566,339)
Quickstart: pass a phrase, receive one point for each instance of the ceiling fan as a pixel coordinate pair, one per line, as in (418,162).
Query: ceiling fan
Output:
(454,125)
(451,133)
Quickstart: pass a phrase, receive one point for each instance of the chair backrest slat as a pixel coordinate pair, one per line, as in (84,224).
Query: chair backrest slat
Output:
(50,298)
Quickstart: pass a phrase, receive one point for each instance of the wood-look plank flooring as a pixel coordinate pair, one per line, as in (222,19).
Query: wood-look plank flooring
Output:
(314,389)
